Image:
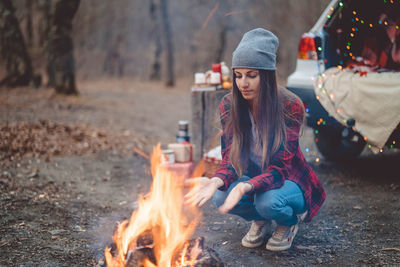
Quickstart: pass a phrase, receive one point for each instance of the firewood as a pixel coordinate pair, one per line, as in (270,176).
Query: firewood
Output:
(206,257)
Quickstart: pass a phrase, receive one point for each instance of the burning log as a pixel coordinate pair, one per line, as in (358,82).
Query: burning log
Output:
(194,254)
(138,256)
(143,251)
(197,254)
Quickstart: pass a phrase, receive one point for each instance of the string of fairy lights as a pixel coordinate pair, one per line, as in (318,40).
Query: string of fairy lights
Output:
(358,21)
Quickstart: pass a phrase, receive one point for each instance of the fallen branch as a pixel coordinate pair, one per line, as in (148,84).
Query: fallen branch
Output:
(141,153)
(390,249)
(210,16)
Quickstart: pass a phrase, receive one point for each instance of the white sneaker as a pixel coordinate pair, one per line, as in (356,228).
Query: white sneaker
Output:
(282,238)
(255,236)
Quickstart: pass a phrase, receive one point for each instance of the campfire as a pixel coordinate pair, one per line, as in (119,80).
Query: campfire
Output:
(158,232)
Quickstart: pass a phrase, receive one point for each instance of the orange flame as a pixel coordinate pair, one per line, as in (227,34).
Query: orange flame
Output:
(162,213)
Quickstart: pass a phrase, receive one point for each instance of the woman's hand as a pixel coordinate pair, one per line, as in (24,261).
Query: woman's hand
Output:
(234,197)
(203,188)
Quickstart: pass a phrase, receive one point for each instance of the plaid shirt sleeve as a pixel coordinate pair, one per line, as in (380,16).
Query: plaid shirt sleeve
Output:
(226,171)
(277,172)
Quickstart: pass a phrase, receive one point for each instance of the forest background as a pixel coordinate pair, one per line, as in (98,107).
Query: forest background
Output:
(69,165)
(153,39)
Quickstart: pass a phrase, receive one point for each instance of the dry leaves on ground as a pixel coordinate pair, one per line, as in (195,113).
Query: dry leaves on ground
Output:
(46,139)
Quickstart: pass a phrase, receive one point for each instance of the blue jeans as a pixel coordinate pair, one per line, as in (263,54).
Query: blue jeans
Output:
(281,205)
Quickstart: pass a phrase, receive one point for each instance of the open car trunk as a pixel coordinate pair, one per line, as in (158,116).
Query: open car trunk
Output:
(362,77)
(353,24)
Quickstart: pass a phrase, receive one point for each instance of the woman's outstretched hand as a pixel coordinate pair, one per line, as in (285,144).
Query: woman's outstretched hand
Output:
(234,197)
(202,189)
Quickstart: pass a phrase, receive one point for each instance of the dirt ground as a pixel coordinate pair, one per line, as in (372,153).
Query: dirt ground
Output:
(60,203)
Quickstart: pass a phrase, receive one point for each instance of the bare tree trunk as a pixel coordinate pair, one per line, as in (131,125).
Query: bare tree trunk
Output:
(156,35)
(221,44)
(61,64)
(225,22)
(169,44)
(45,37)
(29,28)
(13,49)
(44,25)
(44,41)
(114,63)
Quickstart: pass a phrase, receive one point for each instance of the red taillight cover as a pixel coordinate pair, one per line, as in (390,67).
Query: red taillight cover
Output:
(307,49)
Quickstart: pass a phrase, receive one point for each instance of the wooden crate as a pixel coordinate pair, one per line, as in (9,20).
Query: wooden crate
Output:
(205,123)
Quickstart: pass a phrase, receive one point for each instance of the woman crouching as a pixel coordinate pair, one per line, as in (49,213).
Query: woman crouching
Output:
(263,175)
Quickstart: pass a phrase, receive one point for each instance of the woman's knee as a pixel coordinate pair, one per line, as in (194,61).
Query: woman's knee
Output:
(269,206)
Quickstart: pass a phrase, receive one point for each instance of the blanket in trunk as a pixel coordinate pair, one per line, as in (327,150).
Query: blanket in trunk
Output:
(371,98)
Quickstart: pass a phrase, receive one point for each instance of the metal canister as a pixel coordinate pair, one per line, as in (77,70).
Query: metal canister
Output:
(168,156)
(183,127)
(182,138)
(183,132)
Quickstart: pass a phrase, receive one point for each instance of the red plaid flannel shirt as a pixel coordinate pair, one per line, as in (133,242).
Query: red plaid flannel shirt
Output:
(289,164)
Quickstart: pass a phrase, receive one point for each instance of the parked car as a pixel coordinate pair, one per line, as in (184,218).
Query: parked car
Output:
(323,47)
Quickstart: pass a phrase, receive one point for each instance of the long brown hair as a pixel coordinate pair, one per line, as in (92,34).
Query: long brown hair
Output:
(270,117)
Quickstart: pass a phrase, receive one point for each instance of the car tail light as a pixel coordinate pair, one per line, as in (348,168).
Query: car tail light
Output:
(307,48)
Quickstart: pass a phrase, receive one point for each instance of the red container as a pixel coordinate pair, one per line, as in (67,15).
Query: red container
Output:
(217,68)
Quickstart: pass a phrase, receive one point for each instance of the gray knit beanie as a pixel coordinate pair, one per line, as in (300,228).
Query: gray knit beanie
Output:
(256,50)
